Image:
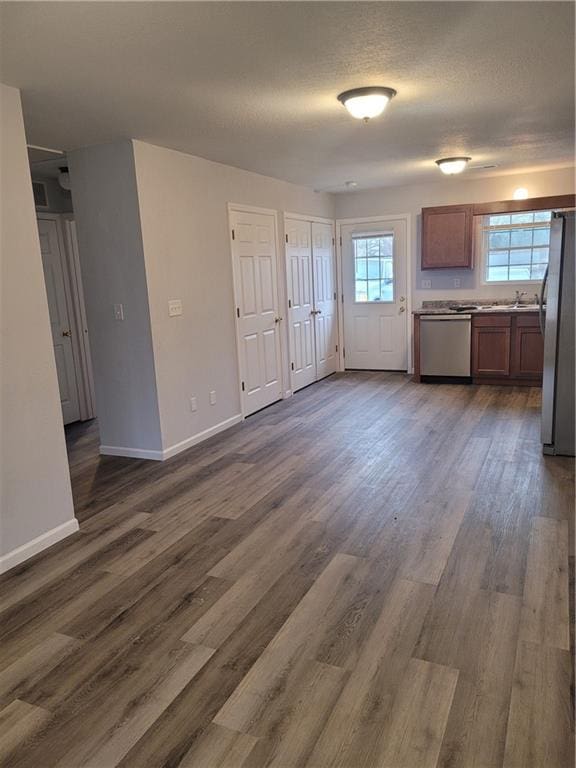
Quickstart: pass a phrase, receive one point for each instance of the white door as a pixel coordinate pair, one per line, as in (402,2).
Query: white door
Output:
(300,303)
(258,320)
(375,289)
(325,304)
(60,318)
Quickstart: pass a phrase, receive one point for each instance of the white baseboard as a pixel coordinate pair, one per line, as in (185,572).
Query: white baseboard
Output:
(31,548)
(130,453)
(167,453)
(200,436)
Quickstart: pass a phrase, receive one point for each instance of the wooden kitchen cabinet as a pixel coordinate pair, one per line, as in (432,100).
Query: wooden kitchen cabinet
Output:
(491,337)
(507,349)
(447,237)
(527,358)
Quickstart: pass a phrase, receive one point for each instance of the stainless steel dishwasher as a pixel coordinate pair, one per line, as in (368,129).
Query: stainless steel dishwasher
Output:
(445,345)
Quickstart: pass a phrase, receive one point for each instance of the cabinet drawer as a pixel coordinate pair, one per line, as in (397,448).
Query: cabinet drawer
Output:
(491,321)
(527,321)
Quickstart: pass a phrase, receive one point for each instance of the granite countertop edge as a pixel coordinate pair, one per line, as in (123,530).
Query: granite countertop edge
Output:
(491,311)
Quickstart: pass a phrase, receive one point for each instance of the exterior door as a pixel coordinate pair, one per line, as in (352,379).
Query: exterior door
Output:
(60,318)
(325,304)
(375,289)
(258,320)
(300,303)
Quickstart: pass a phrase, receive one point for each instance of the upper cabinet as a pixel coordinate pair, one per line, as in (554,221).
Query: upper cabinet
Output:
(447,237)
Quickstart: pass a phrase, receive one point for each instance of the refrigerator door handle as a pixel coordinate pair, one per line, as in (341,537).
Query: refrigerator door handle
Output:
(541,302)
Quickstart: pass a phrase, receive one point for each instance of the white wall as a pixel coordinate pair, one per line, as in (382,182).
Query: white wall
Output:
(35,497)
(183,209)
(105,202)
(449,191)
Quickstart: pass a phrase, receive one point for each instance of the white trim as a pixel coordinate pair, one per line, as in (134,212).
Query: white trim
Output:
(406,217)
(201,436)
(251,209)
(31,548)
(131,453)
(167,453)
(307,217)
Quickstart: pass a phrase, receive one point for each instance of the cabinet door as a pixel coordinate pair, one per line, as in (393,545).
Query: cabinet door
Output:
(447,237)
(527,348)
(491,351)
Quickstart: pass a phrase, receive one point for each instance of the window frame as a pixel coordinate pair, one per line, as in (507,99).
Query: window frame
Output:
(483,231)
(365,236)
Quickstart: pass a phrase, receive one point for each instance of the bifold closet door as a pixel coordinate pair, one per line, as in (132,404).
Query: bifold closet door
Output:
(300,302)
(312,313)
(324,299)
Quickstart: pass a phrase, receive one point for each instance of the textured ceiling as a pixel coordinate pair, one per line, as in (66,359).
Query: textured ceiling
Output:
(254,84)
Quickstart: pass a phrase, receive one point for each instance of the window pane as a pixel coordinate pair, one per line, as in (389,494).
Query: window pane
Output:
(361,290)
(501,218)
(387,268)
(521,237)
(374,269)
(520,256)
(361,271)
(359,247)
(522,218)
(374,290)
(373,246)
(540,255)
(497,273)
(386,244)
(497,258)
(542,236)
(519,273)
(500,239)
(538,271)
(387,290)
(543,216)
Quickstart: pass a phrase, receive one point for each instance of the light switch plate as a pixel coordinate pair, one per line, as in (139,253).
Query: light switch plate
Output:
(175,307)
(118,311)
(456,282)
(213,397)
(193,404)
(426,283)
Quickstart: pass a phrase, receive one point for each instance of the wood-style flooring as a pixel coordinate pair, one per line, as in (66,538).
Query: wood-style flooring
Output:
(372,574)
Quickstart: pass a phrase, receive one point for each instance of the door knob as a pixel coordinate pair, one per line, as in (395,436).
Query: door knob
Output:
(402,309)
(277,319)
(402,298)
(67,333)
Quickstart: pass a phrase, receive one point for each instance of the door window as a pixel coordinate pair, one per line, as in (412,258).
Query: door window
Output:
(374,267)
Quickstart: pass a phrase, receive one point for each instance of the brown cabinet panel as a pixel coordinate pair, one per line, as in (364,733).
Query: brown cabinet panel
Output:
(447,237)
(491,351)
(527,352)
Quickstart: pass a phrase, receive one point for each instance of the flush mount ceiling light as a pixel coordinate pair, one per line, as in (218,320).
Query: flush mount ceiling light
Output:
(521,193)
(452,165)
(364,103)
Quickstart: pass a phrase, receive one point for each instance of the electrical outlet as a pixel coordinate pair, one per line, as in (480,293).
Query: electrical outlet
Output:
(118,311)
(174,307)
(456,282)
(213,397)
(193,404)
(426,283)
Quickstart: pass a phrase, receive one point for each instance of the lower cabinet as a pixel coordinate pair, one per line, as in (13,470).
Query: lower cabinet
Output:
(507,349)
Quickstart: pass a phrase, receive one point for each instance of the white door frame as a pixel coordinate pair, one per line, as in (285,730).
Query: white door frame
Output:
(76,313)
(406,217)
(319,220)
(283,346)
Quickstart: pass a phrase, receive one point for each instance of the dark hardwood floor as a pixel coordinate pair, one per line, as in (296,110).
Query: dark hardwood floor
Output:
(372,574)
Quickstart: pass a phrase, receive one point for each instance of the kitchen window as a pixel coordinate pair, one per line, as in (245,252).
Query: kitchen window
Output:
(515,246)
(374,268)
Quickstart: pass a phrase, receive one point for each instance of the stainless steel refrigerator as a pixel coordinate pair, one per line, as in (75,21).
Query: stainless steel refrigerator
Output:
(558,411)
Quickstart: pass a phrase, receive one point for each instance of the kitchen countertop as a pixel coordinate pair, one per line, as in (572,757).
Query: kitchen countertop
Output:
(477,311)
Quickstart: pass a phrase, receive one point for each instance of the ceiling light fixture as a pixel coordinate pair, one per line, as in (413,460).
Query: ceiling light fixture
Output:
(452,165)
(521,193)
(64,177)
(364,103)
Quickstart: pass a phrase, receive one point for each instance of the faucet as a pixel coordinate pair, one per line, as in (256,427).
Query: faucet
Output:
(519,295)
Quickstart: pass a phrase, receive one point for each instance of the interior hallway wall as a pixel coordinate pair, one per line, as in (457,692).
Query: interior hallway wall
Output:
(36,507)
(105,201)
(451,191)
(183,208)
